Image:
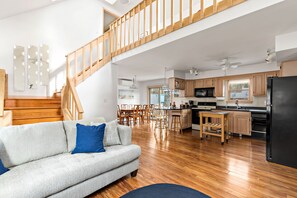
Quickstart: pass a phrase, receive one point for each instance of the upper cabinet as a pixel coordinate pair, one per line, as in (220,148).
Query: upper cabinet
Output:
(209,82)
(198,83)
(205,83)
(189,88)
(289,68)
(219,87)
(176,83)
(259,84)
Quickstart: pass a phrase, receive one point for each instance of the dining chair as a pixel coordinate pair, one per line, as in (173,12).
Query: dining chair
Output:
(122,116)
(124,106)
(146,113)
(136,115)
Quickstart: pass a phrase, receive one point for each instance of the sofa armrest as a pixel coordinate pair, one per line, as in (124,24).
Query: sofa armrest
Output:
(125,133)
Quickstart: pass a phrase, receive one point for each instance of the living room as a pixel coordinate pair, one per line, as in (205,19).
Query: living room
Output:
(193,81)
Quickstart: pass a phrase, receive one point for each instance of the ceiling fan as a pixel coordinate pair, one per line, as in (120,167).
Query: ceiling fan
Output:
(227,64)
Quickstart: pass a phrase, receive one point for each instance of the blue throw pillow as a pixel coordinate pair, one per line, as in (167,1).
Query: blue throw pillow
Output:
(89,139)
(2,168)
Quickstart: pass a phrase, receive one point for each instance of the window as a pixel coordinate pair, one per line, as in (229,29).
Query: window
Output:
(239,90)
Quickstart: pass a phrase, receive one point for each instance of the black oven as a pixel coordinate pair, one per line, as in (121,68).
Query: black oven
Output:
(195,115)
(259,122)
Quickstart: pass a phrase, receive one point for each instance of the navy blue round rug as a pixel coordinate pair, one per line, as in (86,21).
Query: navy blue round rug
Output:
(165,191)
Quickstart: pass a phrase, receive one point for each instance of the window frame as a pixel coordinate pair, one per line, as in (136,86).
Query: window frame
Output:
(249,100)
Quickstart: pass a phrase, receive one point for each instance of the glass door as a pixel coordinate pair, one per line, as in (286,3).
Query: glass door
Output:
(154,96)
(159,97)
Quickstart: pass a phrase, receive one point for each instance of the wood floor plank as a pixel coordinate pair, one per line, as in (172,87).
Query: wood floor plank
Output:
(237,169)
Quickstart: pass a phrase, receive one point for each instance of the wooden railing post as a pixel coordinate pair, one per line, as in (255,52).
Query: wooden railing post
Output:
(2,91)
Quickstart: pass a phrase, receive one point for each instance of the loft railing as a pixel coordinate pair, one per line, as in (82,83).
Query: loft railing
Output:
(5,116)
(152,19)
(2,90)
(71,106)
(147,21)
(86,60)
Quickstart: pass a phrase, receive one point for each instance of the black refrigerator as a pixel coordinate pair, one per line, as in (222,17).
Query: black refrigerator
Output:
(281,137)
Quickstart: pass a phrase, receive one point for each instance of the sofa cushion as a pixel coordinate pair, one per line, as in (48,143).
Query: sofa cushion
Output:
(2,168)
(111,135)
(51,175)
(25,143)
(70,128)
(89,139)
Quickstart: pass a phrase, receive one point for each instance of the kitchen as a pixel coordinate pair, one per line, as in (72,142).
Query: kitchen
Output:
(211,94)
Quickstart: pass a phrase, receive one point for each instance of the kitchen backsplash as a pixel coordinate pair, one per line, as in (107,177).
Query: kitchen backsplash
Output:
(257,101)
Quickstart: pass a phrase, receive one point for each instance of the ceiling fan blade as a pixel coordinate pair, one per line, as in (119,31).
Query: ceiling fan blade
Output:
(237,63)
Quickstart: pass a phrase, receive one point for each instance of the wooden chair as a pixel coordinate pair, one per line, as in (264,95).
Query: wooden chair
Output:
(122,117)
(136,115)
(124,106)
(146,113)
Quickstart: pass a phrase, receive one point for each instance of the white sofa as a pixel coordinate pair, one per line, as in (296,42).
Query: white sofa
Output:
(41,164)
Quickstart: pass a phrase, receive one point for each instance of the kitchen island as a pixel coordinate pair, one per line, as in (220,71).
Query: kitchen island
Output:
(218,125)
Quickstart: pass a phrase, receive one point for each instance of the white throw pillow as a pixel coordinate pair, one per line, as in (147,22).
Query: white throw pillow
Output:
(111,135)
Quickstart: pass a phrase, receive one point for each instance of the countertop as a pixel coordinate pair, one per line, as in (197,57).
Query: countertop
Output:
(171,109)
(243,109)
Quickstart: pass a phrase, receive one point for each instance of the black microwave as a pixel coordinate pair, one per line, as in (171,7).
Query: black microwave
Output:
(204,92)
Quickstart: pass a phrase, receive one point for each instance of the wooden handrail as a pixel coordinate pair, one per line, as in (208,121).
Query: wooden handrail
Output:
(71,106)
(2,91)
(147,21)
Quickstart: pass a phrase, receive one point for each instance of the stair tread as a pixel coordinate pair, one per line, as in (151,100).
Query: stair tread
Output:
(31,98)
(20,108)
(37,118)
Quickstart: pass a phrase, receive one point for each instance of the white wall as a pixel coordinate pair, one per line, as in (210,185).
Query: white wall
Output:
(64,26)
(286,41)
(98,93)
(134,92)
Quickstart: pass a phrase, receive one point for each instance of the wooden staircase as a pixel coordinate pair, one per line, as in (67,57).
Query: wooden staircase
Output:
(34,110)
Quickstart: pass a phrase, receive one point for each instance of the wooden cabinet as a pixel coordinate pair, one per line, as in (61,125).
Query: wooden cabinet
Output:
(242,123)
(198,83)
(231,121)
(209,82)
(259,84)
(176,83)
(219,87)
(189,88)
(205,83)
(238,122)
(289,68)
(186,117)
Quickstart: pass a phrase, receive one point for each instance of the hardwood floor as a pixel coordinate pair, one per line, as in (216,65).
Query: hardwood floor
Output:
(237,169)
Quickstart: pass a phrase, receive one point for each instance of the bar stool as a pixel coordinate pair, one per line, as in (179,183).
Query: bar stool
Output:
(176,121)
